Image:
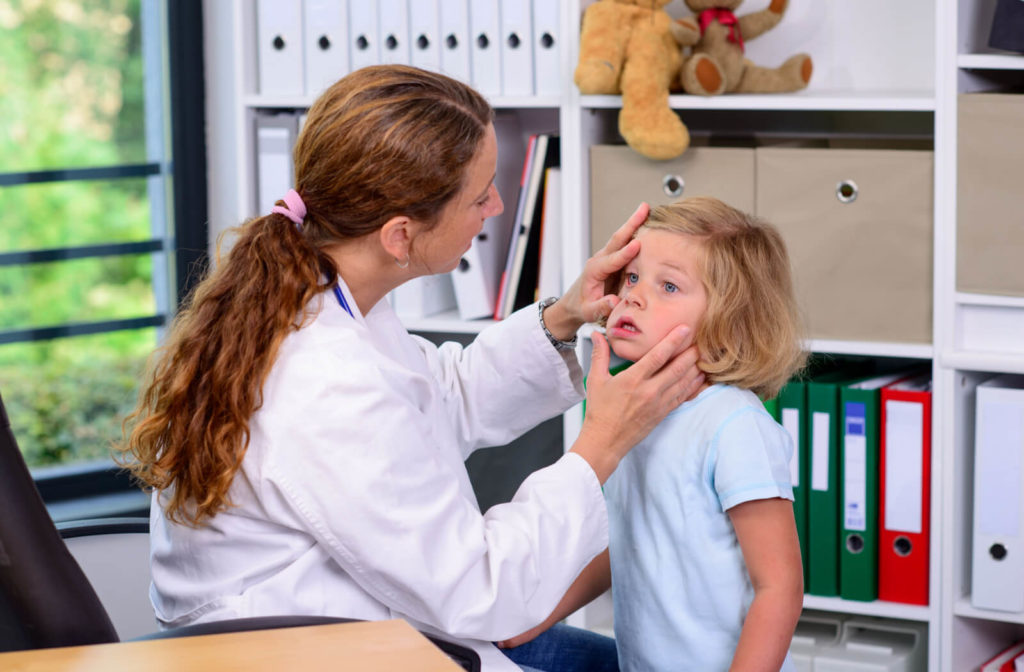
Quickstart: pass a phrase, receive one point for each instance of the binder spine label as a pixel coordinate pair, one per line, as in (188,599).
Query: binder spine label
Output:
(819,451)
(904,474)
(855,468)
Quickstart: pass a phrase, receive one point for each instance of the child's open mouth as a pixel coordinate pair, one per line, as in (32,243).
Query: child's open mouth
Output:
(624,327)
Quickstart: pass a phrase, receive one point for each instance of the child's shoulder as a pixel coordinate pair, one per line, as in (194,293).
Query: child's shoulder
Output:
(717,409)
(736,411)
(727,400)
(750,452)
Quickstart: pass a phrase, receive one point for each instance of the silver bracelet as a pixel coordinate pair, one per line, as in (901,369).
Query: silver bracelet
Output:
(561,346)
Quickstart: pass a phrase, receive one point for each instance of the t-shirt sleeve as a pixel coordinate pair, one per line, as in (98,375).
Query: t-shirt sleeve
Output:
(750,459)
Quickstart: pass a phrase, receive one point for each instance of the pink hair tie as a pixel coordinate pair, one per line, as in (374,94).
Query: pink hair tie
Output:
(296,210)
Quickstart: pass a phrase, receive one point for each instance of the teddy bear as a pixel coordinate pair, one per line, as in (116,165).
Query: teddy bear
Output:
(633,47)
(717,65)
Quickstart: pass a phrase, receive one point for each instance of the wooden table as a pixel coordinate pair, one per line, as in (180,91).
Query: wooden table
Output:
(370,646)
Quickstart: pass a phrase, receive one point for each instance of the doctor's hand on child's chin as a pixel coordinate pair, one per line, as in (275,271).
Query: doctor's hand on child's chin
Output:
(623,409)
(593,295)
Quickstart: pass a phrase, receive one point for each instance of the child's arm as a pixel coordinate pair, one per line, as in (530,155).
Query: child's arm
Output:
(592,581)
(766,531)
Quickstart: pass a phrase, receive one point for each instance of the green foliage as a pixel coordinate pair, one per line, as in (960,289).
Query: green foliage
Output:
(67,397)
(70,84)
(72,96)
(100,288)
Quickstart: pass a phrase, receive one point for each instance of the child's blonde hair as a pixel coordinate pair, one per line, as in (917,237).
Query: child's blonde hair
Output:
(751,334)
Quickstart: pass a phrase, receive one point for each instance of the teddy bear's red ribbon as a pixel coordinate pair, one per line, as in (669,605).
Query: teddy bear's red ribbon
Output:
(724,17)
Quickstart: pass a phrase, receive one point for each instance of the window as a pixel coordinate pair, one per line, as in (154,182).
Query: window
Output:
(97,230)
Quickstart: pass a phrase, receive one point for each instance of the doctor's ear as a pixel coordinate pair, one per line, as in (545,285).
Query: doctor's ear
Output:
(396,238)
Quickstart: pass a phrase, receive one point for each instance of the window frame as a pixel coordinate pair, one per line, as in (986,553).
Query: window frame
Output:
(102,489)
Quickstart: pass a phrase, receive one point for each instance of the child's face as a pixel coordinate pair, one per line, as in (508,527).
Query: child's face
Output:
(661,289)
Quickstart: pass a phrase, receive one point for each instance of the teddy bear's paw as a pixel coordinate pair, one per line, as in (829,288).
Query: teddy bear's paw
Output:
(778,6)
(702,76)
(797,70)
(597,76)
(792,75)
(806,67)
(655,133)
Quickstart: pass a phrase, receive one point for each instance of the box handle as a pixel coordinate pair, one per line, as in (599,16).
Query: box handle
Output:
(673,185)
(846,191)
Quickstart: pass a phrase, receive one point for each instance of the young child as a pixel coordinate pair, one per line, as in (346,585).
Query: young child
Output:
(704,556)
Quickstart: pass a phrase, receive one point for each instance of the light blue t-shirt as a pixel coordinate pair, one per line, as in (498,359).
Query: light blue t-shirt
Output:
(680,587)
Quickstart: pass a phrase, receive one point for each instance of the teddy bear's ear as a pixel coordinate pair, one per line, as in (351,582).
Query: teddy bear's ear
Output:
(685,31)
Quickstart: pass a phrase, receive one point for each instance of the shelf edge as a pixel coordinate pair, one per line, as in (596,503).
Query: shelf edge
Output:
(983,361)
(906,612)
(963,608)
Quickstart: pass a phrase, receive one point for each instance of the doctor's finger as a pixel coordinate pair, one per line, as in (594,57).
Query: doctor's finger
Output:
(674,343)
(594,311)
(681,376)
(599,360)
(624,233)
(610,264)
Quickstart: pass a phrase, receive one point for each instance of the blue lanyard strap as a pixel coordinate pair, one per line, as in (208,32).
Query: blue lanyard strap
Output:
(341,300)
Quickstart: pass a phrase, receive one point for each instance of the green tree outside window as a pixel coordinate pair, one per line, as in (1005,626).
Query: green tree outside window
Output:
(72,95)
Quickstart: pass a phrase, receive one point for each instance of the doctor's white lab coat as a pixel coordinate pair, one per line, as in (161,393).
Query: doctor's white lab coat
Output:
(353,498)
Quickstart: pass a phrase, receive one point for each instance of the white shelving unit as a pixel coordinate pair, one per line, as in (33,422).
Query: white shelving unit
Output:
(921,55)
(977,335)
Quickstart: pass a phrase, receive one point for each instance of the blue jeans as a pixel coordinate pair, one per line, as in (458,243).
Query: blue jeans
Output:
(563,648)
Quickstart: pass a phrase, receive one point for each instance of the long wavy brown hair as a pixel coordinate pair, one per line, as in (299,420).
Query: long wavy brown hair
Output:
(381,142)
(751,335)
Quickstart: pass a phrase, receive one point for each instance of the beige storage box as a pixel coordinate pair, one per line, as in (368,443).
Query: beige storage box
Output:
(858,225)
(620,179)
(990,194)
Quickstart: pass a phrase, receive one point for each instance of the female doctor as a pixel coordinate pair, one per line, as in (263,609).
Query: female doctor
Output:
(306,453)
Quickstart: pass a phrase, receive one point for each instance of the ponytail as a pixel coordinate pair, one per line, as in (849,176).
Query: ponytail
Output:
(190,429)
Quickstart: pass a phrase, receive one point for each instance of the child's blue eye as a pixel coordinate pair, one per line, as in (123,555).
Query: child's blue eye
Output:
(631,278)
(670,288)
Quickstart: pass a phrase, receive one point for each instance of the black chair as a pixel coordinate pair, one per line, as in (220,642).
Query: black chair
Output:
(47,601)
